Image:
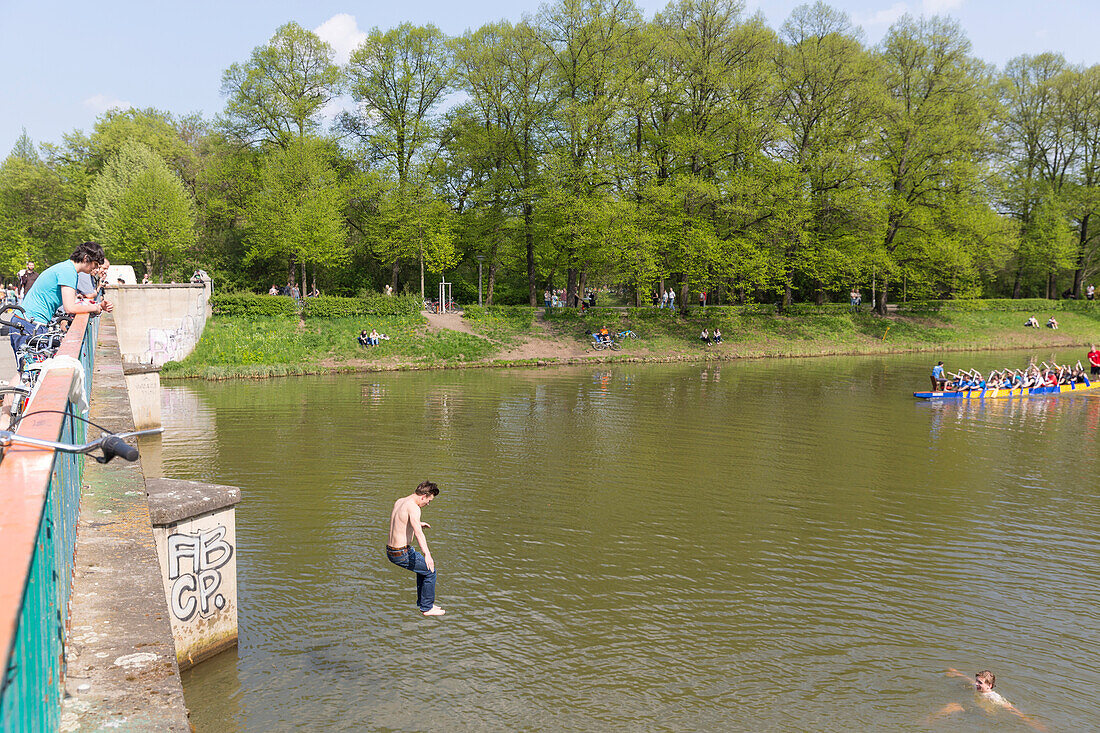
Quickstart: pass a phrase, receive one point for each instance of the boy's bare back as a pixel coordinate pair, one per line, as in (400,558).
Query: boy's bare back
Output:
(405,512)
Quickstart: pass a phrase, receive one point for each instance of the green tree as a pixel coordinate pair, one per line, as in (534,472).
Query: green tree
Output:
(830,104)
(279,94)
(593,46)
(295,216)
(399,77)
(935,141)
(141,210)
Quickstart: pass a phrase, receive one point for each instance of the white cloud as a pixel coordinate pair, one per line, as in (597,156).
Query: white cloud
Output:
(880,18)
(342,32)
(938,7)
(100,103)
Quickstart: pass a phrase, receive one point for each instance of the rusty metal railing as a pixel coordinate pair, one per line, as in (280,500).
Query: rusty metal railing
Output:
(39,509)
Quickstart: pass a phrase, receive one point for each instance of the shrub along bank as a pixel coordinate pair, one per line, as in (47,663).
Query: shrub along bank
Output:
(253,335)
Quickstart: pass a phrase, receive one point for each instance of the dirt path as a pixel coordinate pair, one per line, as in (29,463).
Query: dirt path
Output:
(543,345)
(546,345)
(448,322)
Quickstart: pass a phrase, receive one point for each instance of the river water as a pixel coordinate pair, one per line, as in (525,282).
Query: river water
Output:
(779,545)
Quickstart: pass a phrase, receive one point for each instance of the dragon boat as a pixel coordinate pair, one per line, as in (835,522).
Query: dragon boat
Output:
(993,393)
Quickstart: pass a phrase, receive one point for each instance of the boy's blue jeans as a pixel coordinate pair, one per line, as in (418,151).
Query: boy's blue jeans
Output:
(410,559)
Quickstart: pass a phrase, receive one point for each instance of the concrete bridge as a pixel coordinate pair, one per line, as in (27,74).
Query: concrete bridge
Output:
(86,628)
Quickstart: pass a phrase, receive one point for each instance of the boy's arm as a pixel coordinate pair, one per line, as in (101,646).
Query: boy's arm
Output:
(952,672)
(70,304)
(1026,718)
(418,531)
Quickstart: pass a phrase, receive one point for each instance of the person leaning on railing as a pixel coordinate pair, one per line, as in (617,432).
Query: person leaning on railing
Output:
(56,287)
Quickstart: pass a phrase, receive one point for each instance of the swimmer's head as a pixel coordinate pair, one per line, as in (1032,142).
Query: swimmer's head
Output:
(984,681)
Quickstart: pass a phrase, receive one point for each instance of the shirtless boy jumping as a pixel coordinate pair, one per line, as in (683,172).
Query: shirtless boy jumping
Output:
(404,525)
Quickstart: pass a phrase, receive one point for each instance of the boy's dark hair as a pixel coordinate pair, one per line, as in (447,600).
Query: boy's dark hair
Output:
(88,252)
(427,487)
(986,676)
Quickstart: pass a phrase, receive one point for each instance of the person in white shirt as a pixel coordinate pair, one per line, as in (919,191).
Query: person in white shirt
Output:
(989,700)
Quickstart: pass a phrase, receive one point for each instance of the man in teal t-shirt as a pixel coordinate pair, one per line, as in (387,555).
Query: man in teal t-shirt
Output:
(56,287)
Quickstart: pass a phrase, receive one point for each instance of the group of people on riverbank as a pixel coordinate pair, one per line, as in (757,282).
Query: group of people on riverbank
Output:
(292,290)
(1032,322)
(1041,375)
(371,339)
(707,338)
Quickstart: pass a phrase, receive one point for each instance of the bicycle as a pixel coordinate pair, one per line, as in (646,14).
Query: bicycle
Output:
(626,334)
(19,396)
(40,346)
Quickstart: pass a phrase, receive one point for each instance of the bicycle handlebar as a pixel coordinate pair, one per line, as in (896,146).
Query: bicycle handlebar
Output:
(112,444)
(9,323)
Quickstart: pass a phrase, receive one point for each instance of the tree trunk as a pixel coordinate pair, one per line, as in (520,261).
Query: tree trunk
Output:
(571,287)
(290,273)
(422,269)
(1052,292)
(819,293)
(683,292)
(530,239)
(1016,284)
(788,297)
(302,270)
(492,282)
(582,283)
(881,295)
(393,275)
(1079,270)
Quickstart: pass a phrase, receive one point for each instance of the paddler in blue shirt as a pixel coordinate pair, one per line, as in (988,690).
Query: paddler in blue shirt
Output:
(938,379)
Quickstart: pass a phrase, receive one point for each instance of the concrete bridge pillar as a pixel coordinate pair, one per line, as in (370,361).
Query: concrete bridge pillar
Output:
(194,529)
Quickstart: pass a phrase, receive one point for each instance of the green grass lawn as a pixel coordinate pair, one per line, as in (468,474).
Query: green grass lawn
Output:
(505,325)
(275,346)
(835,331)
(278,346)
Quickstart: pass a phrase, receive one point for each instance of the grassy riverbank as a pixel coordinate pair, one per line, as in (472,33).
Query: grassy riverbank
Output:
(278,345)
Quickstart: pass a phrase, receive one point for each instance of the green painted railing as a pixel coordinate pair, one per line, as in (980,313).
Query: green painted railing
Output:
(39,510)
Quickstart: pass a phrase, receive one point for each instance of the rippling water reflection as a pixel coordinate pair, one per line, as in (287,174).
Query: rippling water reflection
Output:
(780,545)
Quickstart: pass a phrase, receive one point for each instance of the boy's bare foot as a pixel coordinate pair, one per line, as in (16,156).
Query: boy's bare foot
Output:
(434,611)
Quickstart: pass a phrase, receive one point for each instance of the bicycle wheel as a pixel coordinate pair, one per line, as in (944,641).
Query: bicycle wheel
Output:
(615,346)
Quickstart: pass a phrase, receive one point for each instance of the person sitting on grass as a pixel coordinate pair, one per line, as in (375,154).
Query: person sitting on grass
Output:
(705,336)
(1052,324)
(989,701)
(717,335)
(1031,323)
(364,339)
(376,337)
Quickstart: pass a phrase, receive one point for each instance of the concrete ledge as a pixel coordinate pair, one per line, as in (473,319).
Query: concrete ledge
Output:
(137,368)
(172,500)
(121,659)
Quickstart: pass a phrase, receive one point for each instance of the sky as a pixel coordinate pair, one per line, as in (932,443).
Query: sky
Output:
(63,64)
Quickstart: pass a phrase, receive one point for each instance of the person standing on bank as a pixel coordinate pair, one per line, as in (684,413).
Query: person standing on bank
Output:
(404,525)
(56,287)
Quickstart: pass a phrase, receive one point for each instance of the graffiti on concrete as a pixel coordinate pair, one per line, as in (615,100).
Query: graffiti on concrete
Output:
(195,590)
(173,344)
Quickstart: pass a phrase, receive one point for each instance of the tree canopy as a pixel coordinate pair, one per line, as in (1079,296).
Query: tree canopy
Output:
(697,150)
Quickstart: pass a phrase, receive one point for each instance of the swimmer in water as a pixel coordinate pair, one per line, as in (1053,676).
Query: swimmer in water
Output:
(988,699)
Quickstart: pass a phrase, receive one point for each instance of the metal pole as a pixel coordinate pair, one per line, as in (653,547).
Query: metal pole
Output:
(479,260)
